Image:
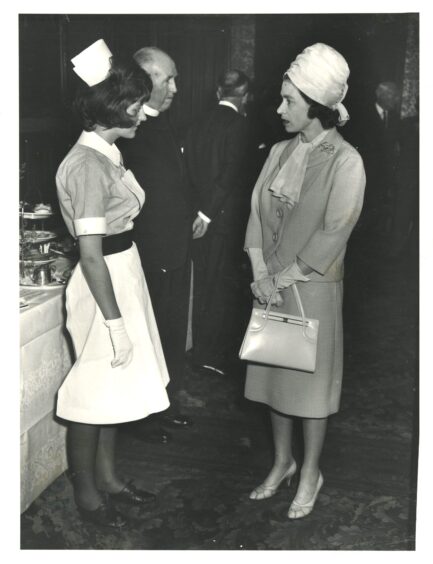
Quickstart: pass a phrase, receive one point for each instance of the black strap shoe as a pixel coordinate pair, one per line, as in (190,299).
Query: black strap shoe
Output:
(131,494)
(104,516)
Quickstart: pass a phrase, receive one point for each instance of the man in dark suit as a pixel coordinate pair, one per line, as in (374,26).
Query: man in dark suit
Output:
(375,133)
(404,228)
(215,151)
(163,229)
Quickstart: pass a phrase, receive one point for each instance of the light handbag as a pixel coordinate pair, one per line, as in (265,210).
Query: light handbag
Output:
(278,339)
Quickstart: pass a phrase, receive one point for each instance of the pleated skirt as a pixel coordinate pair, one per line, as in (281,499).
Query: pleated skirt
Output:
(94,392)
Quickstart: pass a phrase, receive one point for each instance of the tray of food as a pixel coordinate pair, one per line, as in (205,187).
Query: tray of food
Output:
(41,276)
(38,236)
(41,259)
(39,211)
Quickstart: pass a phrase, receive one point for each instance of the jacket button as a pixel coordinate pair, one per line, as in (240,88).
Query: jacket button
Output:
(279,212)
(275,237)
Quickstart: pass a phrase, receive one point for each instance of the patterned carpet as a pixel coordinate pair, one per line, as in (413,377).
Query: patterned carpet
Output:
(203,476)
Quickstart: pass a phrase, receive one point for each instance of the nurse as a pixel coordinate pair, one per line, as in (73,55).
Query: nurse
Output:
(120,373)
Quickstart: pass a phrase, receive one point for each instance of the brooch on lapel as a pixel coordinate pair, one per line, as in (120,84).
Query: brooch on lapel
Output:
(327,148)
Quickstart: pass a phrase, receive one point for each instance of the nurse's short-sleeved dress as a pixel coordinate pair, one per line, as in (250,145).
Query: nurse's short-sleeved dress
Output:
(97,196)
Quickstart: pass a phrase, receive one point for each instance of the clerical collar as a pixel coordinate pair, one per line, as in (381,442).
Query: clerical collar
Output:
(380,110)
(150,111)
(229,104)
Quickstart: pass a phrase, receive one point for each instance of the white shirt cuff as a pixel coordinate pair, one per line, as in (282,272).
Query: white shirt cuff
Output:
(90,226)
(204,217)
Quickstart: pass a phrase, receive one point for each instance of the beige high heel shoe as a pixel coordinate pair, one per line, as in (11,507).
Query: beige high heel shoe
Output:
(264,492)
(305,508)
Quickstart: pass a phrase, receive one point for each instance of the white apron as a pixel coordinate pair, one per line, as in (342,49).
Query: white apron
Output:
(94,392)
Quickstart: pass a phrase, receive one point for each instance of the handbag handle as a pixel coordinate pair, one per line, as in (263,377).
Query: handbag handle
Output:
(298,303)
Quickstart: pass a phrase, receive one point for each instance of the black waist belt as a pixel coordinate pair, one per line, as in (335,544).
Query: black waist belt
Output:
(116,243)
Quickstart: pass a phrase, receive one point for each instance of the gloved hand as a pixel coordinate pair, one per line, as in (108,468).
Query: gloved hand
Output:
(262,290)
(289,276)
(258,265)
(263,284)
(122,346)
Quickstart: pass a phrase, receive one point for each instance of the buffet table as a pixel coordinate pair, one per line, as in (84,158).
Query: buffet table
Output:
(46,357)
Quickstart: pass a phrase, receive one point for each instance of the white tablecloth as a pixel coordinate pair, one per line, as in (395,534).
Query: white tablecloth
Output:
(46,358)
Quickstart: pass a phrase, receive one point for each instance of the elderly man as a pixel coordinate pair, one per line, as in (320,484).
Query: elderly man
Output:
(163,230)
(215,151)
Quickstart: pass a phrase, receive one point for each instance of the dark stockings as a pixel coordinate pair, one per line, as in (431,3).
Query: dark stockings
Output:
(91,462)
(107,479)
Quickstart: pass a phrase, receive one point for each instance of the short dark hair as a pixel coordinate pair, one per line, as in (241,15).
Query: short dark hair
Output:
(233,83)
(327,117)
(106,103)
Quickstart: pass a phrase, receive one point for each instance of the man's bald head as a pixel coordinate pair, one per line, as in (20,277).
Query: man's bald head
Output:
(162,70)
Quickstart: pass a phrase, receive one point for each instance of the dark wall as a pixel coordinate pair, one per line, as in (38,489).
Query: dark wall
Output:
(373,45)
(200,46)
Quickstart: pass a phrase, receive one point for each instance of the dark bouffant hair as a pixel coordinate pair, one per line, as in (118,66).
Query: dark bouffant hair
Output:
(106,103)
(327,117)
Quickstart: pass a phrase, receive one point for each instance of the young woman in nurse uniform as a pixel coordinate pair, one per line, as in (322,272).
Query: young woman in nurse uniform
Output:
(119,374)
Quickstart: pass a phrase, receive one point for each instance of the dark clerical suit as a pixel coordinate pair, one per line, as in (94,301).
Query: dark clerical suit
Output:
(162,233)
(215,152)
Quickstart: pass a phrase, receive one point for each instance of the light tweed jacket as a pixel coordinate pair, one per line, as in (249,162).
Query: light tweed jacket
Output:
(317,229)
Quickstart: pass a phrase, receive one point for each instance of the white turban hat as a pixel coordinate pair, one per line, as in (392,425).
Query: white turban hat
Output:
(93,64)
(321,73)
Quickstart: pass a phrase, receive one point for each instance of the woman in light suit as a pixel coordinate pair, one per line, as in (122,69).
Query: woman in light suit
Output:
(305,205)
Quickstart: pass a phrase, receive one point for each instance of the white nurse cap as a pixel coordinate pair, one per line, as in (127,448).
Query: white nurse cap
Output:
(93,64)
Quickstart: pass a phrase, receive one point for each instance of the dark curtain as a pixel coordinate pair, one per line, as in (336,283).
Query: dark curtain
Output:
(373,44)
(200,46)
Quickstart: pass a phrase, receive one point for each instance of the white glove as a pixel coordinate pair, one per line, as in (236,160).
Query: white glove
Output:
(258,265)
(263,284)
(122,346)
(263,289)
(289,276)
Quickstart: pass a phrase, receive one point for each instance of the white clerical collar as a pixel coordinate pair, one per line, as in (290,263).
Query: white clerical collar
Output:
(229,104)
(150,111)
(95,141)
(380,110)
